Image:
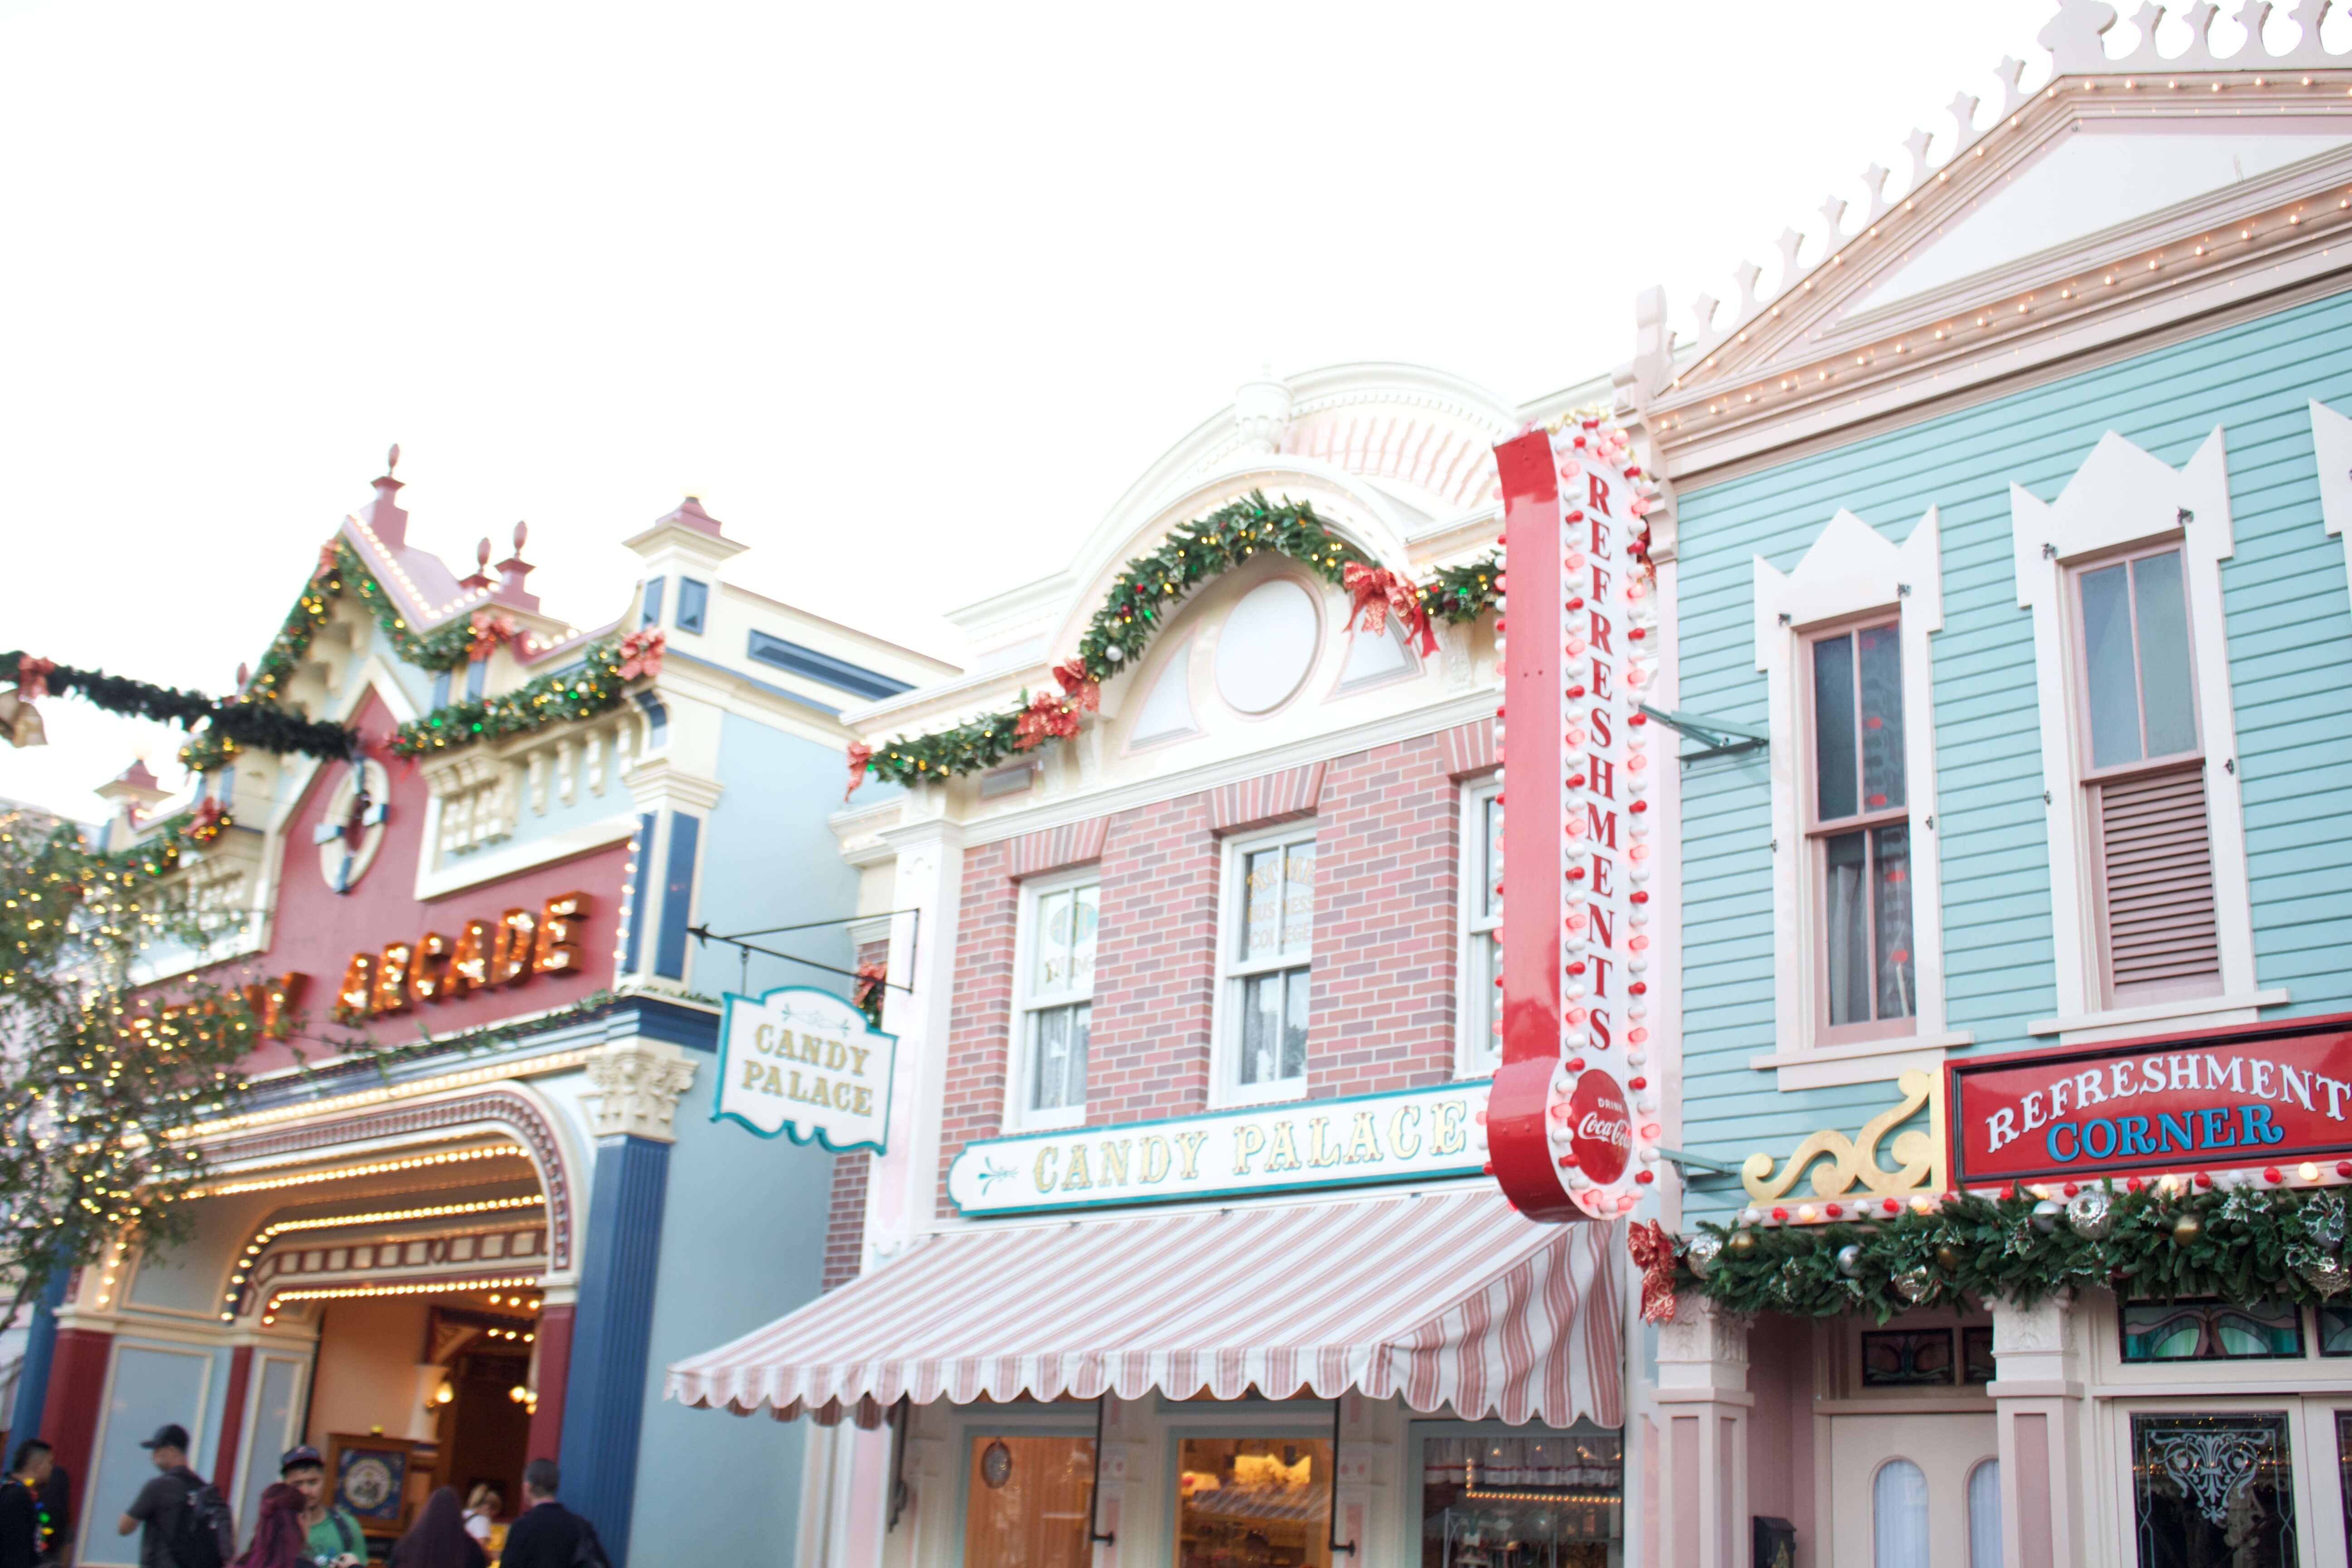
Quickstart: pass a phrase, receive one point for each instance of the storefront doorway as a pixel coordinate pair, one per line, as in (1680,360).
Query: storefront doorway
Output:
(1915,1491)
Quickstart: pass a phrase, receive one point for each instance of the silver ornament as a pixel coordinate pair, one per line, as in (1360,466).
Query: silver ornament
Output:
(1702,1253)
(2323,1222)
(2090,1213)
(1849,1261)
(1914,1285)
(2326,1274)
(2045,1214)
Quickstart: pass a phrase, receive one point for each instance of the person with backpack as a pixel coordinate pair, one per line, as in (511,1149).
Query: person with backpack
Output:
(330,1534)
(546,1534)
(181,1520)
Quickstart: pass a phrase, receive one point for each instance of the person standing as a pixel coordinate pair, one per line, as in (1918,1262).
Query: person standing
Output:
(21,1541)
(482,1510)
(180,1519)
(330,1533)
(57,1514)
(438,1538)
(548,1534)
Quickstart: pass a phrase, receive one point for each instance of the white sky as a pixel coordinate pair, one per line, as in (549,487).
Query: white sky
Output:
(908,294)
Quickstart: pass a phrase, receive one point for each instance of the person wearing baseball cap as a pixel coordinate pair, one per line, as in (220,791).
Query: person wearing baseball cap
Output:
(330,1533)
(155,1513)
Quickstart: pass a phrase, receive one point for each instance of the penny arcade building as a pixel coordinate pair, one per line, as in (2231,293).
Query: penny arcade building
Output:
(472,1237)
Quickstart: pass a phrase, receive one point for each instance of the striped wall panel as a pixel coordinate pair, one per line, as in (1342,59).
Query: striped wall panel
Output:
(1073,844)
(2290,634)
(1470,749)
(1269,797)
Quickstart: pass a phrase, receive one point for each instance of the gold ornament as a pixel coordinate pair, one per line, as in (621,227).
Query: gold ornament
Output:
(2188,1230)
(1947,1258)
(1742,1243)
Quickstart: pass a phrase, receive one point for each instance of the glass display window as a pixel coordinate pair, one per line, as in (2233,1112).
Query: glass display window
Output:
(1027,1500)
(1515,1498)
(2213,1490)
(1253,1503)
(2210,1330)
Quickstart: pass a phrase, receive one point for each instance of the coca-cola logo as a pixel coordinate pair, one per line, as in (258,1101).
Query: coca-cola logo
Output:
(1604,1127)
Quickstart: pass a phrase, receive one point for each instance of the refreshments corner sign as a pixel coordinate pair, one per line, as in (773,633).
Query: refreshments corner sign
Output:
(803,1062)
(2258,1098)
(1415,1134)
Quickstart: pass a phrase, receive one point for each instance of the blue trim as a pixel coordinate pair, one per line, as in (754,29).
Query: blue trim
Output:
(656,1019)
(1475,1163)
(605,1392)
(816,1135)
(677,896)
(754,681)
(838,673)
(639,882)
(693,604)
(440,689)
(33,1375)
(478,678)
(655,713)
(651,613)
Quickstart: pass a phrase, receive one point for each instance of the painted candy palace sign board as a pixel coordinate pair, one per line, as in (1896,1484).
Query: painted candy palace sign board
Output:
(802,1062)
(1415,1134)
(2225,1100)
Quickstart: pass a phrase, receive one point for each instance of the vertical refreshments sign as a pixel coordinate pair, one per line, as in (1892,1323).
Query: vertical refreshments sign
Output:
(1572,1122)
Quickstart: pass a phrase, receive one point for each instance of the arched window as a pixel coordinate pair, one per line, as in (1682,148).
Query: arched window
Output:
(1898,1513)
(1984,1514)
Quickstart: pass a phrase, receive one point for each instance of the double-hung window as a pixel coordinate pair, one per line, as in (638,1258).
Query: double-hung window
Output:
(1267,947)
(1057,1002)
(2143,777)
(1859,834)
(1482,905)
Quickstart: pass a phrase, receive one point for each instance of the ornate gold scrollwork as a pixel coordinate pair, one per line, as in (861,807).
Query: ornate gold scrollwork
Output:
(1920,1156)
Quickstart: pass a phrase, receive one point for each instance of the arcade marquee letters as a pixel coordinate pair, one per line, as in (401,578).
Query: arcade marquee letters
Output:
(509,951)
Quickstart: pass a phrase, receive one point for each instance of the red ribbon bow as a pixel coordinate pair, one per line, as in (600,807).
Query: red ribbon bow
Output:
(1377,592)
(1083,690)
(1046,715)
(33,677)
(1654,1254)
(331,561)
(486,631)
(860,753)
(641,653)
(870,977)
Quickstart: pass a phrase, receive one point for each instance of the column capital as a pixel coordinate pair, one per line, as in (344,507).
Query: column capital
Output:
(636,1084)
(1703,1353)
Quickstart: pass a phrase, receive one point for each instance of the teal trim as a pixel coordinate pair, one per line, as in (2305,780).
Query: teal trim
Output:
(816,1135)
(1473,1164)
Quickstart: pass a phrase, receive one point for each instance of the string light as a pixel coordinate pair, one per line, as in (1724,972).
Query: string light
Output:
(346,1173)
(357,1292)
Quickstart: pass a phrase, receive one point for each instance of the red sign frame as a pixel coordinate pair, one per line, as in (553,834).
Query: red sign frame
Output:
(2197,1100)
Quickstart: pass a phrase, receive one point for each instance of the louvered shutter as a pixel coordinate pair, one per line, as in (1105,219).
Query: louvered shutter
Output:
(2157,881)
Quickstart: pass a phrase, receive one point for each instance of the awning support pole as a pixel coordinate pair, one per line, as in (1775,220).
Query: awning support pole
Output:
(1335,1543)
(1094,1493)
(901,1413)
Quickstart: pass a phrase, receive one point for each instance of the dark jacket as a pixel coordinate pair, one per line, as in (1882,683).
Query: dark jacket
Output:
(547,1536)
(20,1525)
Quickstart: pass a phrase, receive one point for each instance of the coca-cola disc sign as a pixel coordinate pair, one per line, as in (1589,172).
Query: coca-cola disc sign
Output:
(1603,1126)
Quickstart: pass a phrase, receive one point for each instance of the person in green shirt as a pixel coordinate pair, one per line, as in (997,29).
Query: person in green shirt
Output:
(330,1536)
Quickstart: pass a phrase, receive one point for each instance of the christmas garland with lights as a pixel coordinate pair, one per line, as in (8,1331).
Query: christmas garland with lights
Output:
(2245,1243)
(595,685)
(1148,589)
(240,724)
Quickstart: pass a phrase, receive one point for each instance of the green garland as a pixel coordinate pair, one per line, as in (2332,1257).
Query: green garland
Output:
(240,724)
(565,694)
(339,572)
(1149,588)
(2245,1244)
(159,852)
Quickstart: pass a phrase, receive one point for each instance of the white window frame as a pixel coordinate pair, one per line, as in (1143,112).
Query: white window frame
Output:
(1018,1114)
(1851,574)
(2123,497)
(1477,1051)
(1233,971)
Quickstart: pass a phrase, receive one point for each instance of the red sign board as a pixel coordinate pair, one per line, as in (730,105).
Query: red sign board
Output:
(2233,1098)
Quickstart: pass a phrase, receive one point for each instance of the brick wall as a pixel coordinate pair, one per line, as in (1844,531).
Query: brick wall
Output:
(1387,921)
(844,1224)
(1155,963)
(979,1015)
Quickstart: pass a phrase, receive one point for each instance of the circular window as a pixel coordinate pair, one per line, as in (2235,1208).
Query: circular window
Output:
(1266,646)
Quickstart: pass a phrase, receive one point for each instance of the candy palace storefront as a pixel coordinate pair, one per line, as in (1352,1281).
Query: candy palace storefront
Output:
(1330,1339)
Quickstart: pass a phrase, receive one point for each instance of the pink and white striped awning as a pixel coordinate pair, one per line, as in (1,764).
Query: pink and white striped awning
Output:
(1439,1300)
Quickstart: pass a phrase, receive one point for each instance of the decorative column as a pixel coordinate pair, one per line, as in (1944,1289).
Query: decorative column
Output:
(2038,1400)
(551,1367)
(1703,1405)
(77,1393)
(33,1373)
(636,1084)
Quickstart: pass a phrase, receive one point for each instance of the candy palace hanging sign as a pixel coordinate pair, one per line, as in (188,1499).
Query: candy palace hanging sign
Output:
(2215,1101)
(1574,1121)
(800,1061)
(1416,1134)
